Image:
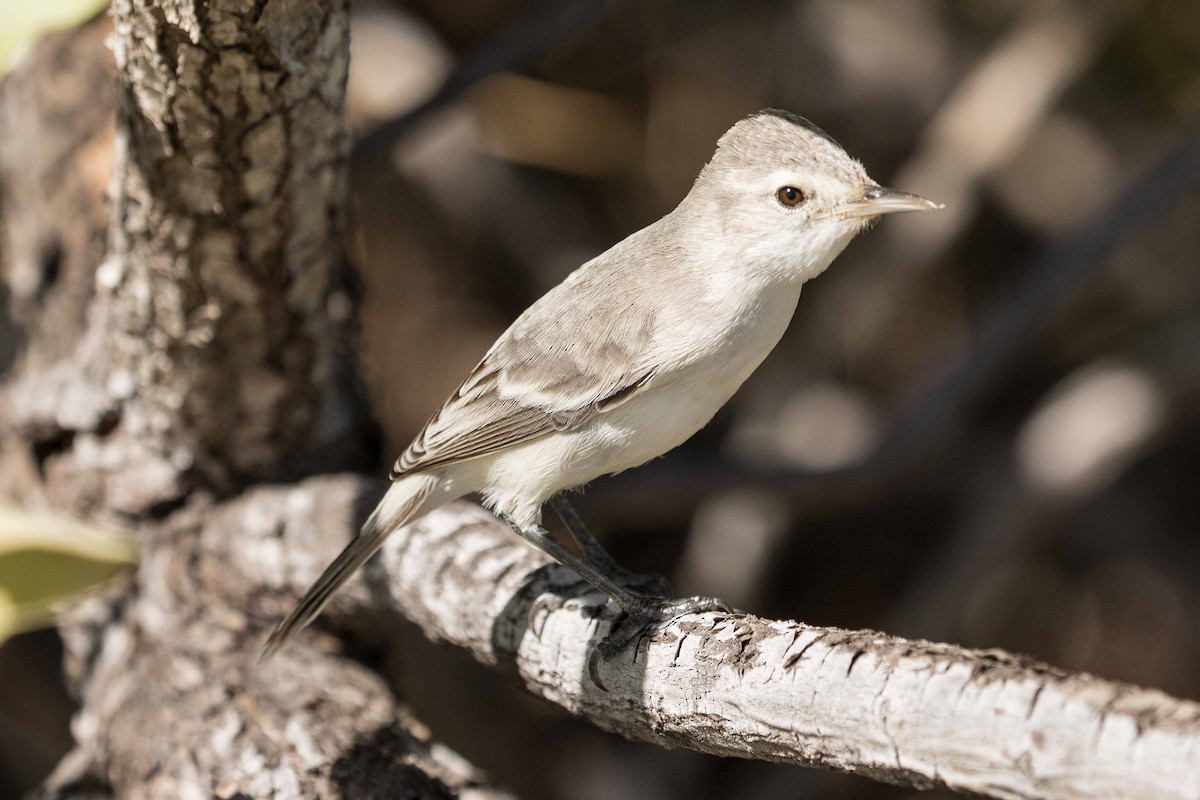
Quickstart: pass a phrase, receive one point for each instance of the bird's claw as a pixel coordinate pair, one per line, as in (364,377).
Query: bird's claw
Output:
(654,590)
(640,618)
(546,604)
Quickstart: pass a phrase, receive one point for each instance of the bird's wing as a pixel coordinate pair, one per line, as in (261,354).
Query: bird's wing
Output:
(552,370)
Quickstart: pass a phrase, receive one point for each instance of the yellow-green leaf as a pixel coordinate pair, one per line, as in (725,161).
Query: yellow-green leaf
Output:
(8,616)
(46,559)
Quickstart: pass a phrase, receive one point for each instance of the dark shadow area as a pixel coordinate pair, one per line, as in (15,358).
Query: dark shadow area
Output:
(374,768)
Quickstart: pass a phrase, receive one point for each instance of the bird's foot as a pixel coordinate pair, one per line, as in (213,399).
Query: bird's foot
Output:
(640,617)
(646,589)
(650,586)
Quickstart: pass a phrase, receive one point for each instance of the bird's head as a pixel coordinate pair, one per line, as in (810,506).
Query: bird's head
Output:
(785,194)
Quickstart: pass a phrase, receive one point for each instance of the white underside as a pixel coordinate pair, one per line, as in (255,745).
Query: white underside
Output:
(718,341)
(517,481)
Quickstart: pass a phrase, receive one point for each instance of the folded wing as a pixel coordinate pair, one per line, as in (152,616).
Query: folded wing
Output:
(549,372)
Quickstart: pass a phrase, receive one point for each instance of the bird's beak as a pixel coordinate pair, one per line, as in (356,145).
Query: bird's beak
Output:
(877,200)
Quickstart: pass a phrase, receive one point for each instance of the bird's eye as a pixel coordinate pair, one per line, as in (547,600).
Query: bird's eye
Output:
(790,196)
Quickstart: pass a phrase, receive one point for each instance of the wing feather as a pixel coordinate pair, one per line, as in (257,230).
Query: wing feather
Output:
(551,371)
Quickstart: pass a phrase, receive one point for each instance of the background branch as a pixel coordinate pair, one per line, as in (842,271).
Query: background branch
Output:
(208,359)
(173,705)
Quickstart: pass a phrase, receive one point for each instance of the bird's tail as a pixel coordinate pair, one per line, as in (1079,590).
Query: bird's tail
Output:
(404,501)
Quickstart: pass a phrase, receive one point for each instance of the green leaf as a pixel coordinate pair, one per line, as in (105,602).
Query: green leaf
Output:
(21,21)
(8,616)
(47,559)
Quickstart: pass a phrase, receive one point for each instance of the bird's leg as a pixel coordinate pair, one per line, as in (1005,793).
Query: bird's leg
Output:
(592,550)
(542,540)
(642,612)
(632,603)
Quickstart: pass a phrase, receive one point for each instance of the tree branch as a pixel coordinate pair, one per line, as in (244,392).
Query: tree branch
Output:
(172,705)
(908,712)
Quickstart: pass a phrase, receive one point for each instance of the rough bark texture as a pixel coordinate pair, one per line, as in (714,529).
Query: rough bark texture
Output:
(174,705)
(196,355)
(909,712)
(56,131)
(207,358)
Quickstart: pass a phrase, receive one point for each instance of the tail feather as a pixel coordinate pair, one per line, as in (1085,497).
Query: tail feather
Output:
(400,505)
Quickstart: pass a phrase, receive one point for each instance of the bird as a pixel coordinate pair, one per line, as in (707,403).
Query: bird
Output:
(633,353)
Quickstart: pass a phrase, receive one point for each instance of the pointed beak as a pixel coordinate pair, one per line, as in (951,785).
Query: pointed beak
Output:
(877,200)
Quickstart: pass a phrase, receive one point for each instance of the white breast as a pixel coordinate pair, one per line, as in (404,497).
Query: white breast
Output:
(719,345)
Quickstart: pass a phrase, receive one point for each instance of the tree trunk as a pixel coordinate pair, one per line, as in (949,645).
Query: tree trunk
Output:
(208,356)
(192,355)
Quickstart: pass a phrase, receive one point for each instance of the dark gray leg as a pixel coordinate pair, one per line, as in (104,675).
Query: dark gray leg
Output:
(592,550)
(539,538)
(594,553)
(642,612)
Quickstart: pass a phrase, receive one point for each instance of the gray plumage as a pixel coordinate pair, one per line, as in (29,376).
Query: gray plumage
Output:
(550,371)
(637,349)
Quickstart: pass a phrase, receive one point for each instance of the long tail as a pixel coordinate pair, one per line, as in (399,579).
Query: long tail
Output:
(403,501)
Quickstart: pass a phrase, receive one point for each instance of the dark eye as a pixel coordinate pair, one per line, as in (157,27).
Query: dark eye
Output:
(790,196)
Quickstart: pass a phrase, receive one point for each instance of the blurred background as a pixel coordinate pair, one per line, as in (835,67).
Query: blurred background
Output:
(980,429)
